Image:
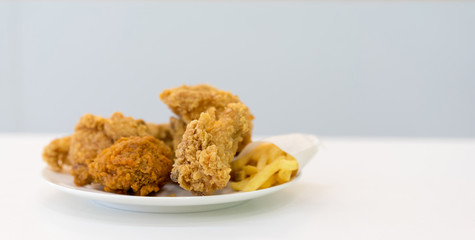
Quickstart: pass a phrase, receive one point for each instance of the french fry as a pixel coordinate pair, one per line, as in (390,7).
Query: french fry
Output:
(273,153)
(240,175)
(283,176)
(249,170)
(289,164)
(263,167)
(241,162)
(269,183)
(261,163)
(262,176)
(249,157)
(238,186)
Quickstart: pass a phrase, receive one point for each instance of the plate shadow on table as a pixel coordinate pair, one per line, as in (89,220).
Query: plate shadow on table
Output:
(63,204)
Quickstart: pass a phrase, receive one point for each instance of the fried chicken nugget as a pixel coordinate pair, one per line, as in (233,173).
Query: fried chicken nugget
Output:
(188,102)
(56,153)
(203,157)
(92,134)
(133,165)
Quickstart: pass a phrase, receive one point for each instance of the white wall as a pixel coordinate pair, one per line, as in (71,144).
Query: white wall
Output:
(400,69)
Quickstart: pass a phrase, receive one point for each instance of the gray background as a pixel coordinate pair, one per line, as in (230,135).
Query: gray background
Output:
(370,69)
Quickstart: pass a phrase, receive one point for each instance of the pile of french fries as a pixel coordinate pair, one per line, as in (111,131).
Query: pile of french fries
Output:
(263,167)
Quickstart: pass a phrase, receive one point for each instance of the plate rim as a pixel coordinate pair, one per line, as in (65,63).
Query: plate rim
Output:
(162,201)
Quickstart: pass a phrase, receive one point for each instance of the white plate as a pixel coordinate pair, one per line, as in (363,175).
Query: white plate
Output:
(183,201)
(162,203)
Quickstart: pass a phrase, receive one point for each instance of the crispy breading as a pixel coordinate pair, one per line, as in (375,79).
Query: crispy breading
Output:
(56,153)
(162,132)
(203,157)
(133,165)
(211,127)
(178,127)
(170,133)
(188,102)
(92,134)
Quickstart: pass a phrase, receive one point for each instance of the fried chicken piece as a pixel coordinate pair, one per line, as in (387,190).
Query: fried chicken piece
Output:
(203,157)
(56,153)
(189,102)
(178,127)
(93,134)
(133,165)
(170,133)
(162,132)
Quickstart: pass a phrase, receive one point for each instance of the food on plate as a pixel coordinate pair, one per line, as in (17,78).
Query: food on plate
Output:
(178,127)
(212,126)
(132,165)
(93,134)
(194,149)
(203,157)
(262,167)
(162,132)
(188,102)
(170,133)
(55,154)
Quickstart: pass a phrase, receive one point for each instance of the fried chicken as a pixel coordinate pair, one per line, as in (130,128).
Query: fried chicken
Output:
(203,157)
(93,134)
(170,133)
(56,153)
(188,102)
(178,127)
(210,128)
(162,132)
(133,165)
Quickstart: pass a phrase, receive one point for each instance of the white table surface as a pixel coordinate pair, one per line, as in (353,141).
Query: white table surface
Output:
(356,188)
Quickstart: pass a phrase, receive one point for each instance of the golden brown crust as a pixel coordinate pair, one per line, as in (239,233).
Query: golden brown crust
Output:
(56,153)
(203,157)
(92,134)
(162,132)
(211,127)
(178,127)
(134,165)
(188,102)
(118,126)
